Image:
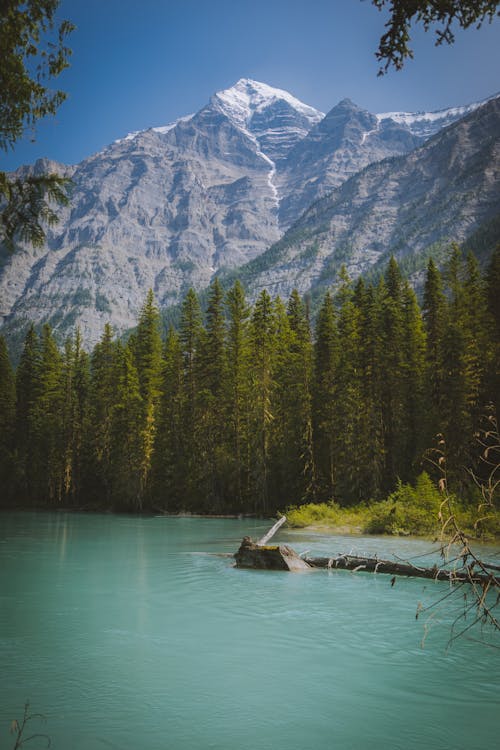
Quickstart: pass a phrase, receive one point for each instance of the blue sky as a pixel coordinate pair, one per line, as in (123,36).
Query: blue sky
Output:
(142,63)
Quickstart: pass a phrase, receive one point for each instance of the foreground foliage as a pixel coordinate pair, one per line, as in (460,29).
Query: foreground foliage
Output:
(33,52)
(241,410)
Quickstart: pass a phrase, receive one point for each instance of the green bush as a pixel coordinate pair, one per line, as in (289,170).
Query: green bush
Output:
(314,514)
(408,510)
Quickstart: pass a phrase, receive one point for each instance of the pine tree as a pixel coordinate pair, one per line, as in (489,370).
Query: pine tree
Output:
(347,393)
(262,354)
(7,424)
(479,353)
(413,435)
(435,321)
(191,336)
(326,361)
(368,453)
(238,402)
(68,417)
(127,426)
(168,479)
(49,415)
(455,410)
(282,428)
(27,432)
(81,447)
(493,297)
(296,375)
(493,290)
(211,422)
(392,374)
(103,396)
(147,348)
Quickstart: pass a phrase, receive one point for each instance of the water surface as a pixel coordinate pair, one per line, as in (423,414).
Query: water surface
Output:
(131,633)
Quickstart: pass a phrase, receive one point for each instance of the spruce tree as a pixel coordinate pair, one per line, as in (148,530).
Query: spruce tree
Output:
(297,376)
(435,321)
(129,462)
(262,355)
(27,426)
(103,397)
(391,299)
(455,416)
(191,337)
(326,361)
(169,481)
(348,488)
(413,435)
(211,423)
(369,451)
(49,414)
(493,297)
(7,425)
(147,349)
(82,449)
(238,401)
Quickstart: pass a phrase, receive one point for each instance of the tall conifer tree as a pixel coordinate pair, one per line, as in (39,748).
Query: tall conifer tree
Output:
(7,424)
(238,402)
(27,433)
(191,336)
(262,353)
(326,361)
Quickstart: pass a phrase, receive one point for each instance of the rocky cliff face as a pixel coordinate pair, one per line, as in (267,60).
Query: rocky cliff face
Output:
(407,206)
(345,141)
(170,207)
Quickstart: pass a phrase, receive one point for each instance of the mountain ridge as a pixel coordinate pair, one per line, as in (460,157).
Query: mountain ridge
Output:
(170,207)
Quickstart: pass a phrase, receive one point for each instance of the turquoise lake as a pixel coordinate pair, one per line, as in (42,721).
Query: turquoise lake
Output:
(131,633)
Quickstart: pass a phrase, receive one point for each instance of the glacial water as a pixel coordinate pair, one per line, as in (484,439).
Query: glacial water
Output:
(131,633)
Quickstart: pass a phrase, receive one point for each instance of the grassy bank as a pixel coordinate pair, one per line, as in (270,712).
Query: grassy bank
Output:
(408,510)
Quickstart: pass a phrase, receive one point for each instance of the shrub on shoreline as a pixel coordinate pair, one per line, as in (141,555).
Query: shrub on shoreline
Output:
(409,510)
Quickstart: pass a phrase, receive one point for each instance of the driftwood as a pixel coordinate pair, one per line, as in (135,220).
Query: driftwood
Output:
(272,531)
(262,556)
(268,557)
(391,567)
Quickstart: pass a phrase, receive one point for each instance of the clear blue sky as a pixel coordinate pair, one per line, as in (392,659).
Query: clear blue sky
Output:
(142,63)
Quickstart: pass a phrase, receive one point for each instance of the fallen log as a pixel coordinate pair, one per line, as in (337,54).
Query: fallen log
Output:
(261,556)
(391,567)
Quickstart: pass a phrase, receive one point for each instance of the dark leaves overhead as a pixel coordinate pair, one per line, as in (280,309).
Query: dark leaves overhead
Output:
(394,47)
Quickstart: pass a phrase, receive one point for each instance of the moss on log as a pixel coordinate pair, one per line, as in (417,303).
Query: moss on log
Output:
(268,557)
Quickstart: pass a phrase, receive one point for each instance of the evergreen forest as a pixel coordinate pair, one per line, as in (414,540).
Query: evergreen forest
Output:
(246,409)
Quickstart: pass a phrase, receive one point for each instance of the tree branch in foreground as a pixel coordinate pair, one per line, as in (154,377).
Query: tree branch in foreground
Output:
(26,206)
(394,46)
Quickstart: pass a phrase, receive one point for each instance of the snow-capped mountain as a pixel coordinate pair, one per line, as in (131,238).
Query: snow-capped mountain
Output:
(425,124)
(275,118)
(169,207)
(410,206)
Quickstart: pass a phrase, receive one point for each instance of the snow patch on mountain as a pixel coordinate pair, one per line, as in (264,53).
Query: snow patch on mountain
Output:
(426,124)
(162,129)
(246,97)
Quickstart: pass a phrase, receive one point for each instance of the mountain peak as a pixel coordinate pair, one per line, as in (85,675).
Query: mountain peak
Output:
(426,124)
(247,97)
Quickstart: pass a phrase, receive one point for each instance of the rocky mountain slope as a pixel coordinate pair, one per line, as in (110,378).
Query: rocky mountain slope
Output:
(409,206)
(169,207)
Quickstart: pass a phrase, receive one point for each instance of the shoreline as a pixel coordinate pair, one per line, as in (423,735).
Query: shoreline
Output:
(345,529)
